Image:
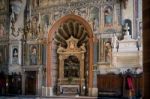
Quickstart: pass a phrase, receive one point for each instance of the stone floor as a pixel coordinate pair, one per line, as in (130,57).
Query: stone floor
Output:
(58,97)
(53,97)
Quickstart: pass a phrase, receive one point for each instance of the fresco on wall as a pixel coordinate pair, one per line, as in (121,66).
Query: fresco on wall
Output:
(15,55)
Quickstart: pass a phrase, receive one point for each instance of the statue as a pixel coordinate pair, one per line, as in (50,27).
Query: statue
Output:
(60,49)
(126,28)
(114,40)
(82,47)
(127,34)
(15,52)
(71,45)
(15,56)
(16,8)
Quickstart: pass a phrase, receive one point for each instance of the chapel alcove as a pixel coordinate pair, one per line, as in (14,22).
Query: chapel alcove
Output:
(71,66)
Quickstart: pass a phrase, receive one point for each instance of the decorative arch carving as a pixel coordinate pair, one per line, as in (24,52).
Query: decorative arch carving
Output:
(50,39)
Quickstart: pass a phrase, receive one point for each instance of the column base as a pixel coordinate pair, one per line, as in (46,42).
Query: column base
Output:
(47,91)
(93,92)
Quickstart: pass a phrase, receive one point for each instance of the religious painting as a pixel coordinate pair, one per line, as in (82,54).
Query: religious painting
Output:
(71,67)
(108,51)
(94,18)
(108,16)
(33,54)
(15,54)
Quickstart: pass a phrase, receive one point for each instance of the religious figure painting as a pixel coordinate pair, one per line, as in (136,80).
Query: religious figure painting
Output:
(108,52)
(108,16)
(33,54)
(71,67)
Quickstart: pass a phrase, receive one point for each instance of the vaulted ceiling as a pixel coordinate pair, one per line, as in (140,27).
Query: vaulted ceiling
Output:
(68,29)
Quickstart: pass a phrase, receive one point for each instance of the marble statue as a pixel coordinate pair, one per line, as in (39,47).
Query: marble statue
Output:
(15,52)
(126,28)
(114,41)
(15,56)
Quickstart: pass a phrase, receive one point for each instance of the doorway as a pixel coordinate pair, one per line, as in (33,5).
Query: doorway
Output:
(30,83)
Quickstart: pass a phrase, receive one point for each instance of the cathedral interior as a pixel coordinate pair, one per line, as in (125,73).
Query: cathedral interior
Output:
(65,47)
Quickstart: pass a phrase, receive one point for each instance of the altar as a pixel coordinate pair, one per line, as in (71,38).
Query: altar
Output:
(70,89)
(71,77)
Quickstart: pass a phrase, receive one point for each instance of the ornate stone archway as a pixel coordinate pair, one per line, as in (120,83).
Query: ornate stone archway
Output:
(51,33)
